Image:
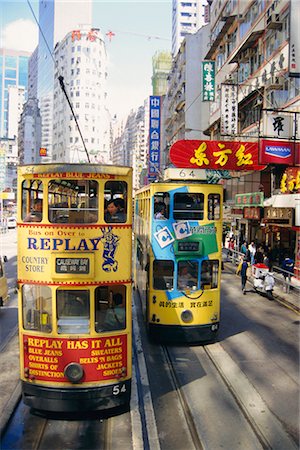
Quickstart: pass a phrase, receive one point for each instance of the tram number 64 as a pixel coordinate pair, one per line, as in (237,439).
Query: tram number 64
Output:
(117,389)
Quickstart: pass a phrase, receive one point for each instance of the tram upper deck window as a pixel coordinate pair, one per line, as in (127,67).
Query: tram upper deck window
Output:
(73,311)
(209,274)
(163,275)
(37,308)
(110,308)
(214,206)
(188,206)
(32,200)
(115,202)
(72,201)
(161,205)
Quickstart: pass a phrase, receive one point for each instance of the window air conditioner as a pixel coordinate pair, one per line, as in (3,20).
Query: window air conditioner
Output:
(273,22)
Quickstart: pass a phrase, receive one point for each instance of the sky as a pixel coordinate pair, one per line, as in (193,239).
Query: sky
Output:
(141,28)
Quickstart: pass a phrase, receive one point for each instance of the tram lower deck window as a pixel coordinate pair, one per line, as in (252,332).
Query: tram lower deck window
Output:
(73,311)
(37,307)
(110,308)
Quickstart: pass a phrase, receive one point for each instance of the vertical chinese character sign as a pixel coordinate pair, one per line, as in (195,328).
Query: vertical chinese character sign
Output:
(294,47)
(229,109)
(154,137)
(208,81)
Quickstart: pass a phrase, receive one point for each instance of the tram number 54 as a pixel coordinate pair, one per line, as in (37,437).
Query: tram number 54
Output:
(117,389)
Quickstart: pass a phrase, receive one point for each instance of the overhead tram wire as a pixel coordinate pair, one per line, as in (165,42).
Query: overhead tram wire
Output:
(61,82)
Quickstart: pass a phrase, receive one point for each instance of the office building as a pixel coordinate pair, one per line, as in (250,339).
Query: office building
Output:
(13,73)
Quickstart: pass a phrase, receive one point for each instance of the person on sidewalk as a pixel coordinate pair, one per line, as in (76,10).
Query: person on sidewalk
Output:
(242,270)
(252,249)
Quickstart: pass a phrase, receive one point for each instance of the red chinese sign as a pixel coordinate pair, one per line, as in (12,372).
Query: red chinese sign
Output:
(102,359)
(290,181)
(219,155)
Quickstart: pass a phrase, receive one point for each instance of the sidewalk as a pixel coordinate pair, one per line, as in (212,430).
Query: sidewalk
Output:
(289,299)
(10,391)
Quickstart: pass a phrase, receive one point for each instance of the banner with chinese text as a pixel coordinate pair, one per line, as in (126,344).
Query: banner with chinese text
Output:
(229,109)
(225,155)
(154,137)
(208,81)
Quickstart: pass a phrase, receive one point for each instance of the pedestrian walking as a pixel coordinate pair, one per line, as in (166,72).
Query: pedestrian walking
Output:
(244,247)
(243,267)
(252,249)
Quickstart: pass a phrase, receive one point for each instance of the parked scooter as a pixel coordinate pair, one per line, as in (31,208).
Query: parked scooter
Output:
(263,280)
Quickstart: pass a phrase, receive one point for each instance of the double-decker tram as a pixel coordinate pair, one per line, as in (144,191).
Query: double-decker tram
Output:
(177,259)
(74,280)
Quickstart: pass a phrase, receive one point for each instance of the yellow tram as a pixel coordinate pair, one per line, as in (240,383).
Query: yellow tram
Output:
(74,280)
(177,259)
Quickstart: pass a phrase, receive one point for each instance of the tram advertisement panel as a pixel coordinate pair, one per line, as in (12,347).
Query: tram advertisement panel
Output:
(101,358)
(94,253)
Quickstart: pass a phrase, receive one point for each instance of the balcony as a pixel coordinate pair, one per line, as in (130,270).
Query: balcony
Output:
(228,21)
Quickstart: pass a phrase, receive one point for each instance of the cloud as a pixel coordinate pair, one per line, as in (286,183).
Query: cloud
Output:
(20,35)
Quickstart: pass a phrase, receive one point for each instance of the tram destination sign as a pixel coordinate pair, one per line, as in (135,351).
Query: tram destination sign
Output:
(72,265)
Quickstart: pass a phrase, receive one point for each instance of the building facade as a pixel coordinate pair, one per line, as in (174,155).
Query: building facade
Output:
(29,134)
(184,115)
(56,19)
(13,73)
(161,66)
(81,60)
(187,18)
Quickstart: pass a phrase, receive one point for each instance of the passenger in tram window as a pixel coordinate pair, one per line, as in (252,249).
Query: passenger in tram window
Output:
(160,210)
(37,211)
(114,213)
(185,278)
(116,314)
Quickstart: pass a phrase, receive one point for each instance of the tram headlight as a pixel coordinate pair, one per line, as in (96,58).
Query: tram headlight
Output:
(186,316)
(74,372)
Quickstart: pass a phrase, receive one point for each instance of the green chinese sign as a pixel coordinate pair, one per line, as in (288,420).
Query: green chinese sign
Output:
(251,199)
(208,81)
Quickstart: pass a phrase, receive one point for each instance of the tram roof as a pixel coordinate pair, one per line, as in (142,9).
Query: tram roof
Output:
(75,167)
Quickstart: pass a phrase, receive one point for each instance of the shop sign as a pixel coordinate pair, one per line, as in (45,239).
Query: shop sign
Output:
(43,151)
(229,109)
(91,35)
(278,216)
(251,199)
(208,81)
(224,155)
(252,212)
(154,137)
(276,152)
(290,181)
(278,124)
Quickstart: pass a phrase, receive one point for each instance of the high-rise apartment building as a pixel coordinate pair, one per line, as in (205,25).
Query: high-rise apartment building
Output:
(13,72)
(56,19)
(161,66)
(82,62)
(187,18)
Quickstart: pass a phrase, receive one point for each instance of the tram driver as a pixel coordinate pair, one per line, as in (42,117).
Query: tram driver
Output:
(115,314)
(186,278)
